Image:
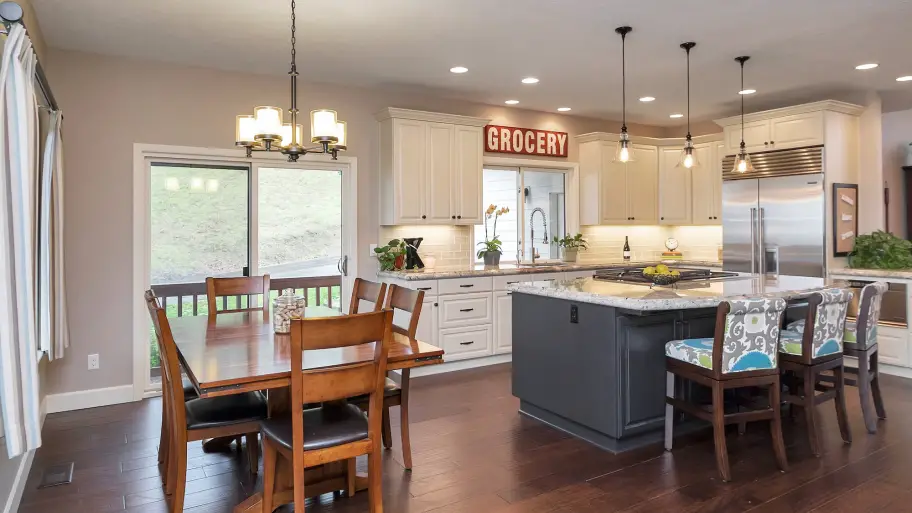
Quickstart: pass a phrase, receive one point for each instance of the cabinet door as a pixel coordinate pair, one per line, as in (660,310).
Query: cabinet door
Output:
(703,180)
(614,189)
(643,186)
(718,155)
(427,321)
(756,137)
(796,131)
(674,188)
(409,168)
(503,322)
(440,170)
(467,183)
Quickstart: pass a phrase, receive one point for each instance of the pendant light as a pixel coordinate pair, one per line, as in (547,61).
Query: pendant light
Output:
(688,158)
(743,161)
(624,150)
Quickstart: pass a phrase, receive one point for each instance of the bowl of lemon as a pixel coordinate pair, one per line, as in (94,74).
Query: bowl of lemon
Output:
(661,275)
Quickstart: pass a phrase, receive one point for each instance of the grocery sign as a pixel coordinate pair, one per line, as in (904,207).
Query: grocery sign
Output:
(525,141)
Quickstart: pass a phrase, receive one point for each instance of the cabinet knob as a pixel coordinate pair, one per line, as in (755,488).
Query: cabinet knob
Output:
(661,218)
(454,217)
(458,217)
(423,217)
(772,143)
(766,143)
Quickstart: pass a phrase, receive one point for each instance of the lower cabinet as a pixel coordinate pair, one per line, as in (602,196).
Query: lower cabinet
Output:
(427,321)
(893,346)
(468,342)
(503,322)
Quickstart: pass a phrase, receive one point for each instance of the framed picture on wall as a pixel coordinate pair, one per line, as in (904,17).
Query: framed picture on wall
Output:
(845,218)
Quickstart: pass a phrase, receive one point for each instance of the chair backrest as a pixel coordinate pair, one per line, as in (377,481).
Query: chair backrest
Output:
(747,335)
(826,315)
(869,313)
(368,291)
(369,334)
(406,300)
(172,385)
(250,286)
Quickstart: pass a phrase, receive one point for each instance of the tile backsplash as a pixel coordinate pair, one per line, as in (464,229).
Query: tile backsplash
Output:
(648,242)
(449,245)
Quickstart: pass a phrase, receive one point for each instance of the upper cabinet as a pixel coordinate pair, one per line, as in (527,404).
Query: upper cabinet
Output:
(780,129)
(706,184)
(674,187)
(430,168)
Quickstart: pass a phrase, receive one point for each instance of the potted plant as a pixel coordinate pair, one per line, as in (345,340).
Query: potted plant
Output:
(490,251)
(391,256)
(881,250)
(571,246)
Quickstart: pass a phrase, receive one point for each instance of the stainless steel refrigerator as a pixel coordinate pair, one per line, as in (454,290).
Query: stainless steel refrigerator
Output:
(773,219)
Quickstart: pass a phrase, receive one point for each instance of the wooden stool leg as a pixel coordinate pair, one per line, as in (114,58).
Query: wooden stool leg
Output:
(719,431)
(386,432)
(865,395)
(253,452)
(404,421)
(374,481)
(669,410)
(269,474)
(875,386)
(776,427)
(841,415)
(810,411)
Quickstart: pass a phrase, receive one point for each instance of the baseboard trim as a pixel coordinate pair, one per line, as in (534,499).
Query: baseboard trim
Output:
(94,398)
(22,473)
(459,365)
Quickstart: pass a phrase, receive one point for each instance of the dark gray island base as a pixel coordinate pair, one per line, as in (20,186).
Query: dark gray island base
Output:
(589,355)
(602,378)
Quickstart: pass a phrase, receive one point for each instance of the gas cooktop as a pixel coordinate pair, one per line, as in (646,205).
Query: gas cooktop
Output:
(634,274)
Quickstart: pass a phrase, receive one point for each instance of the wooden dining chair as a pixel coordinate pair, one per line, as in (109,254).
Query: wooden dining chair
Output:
(368,291)
(250,286)
(335,431)
(198,419)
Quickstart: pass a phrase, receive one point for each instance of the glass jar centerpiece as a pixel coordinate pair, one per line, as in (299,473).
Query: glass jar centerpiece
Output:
(285,308)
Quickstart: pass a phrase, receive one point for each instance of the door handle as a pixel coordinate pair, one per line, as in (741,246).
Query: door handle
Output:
(760,244)
(342,265)
(753,224)
(466,309)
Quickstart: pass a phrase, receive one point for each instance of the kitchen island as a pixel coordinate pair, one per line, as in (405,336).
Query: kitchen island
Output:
(589,355)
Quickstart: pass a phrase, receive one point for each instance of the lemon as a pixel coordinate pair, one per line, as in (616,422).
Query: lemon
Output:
(649,270)
(675,273)
(661,269)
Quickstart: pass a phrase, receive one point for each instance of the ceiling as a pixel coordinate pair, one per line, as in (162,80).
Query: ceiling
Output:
(801,50)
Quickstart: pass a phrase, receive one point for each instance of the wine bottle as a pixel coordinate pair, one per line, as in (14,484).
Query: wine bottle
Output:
(626,249)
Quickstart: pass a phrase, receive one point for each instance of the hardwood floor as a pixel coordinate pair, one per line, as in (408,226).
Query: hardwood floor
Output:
(473,452)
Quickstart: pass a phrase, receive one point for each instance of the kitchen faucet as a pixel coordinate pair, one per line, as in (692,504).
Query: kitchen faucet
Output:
(532,229)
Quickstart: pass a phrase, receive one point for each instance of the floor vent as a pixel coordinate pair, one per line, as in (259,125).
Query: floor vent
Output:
(57,475)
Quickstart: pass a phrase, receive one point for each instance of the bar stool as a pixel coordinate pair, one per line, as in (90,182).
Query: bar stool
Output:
(861,342)
(805,354)
(743,353)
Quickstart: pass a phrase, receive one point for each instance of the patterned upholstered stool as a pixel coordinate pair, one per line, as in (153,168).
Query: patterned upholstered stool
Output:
(861,342)
(743,353)
(805,354)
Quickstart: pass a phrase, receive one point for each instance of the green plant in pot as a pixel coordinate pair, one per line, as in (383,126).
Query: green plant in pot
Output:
(571,244)
(391,256)
(881,250)
(491,247)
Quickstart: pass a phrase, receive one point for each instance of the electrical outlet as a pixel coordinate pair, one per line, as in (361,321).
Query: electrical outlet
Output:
(372,252)
(93,362)
(574,314)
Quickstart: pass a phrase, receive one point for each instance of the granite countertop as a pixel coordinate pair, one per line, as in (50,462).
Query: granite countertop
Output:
(693,294)
(472,271)
(902,274)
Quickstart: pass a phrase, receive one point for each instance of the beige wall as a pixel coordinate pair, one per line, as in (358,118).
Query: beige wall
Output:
(111,103)
(897,134)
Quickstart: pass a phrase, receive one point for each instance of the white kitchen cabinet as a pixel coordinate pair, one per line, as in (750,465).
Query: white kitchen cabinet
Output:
(613,190)
(796,131)
(615,193)
(756,137)
(465,310)
(780,129)
(467,342)
(427,321)
(430,168)
(893,346)
(643,185)
(675,187)
(706,180)
(503,322)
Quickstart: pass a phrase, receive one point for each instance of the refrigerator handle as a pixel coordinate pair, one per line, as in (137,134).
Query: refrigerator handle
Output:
(760,244)
(753,224)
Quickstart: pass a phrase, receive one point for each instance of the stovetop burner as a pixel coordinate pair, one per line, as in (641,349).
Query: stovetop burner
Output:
(634,274)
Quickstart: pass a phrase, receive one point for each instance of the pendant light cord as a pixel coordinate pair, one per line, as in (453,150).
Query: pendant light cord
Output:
(624,80)
(294,66)
(688,92)
(742,60)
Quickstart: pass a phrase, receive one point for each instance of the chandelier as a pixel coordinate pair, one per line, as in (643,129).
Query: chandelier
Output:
(266,130)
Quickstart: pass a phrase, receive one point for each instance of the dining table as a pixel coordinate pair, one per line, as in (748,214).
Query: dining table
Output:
(237,352)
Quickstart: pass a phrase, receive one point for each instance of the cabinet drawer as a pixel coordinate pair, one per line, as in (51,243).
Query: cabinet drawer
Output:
(549,277)
(893,346)
(501,282)
(460,343)
(464,285)
(465,310)
(428,286)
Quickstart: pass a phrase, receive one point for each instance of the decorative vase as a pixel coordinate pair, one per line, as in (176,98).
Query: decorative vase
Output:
(399,264)
(492,257)
(569,254)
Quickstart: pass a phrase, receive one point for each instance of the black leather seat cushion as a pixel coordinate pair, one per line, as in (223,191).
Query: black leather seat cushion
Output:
(225,410)
(327,426)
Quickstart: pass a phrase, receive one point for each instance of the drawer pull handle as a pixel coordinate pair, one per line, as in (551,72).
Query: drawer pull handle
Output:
(467,343)
(509,293)
(466,309)
(466,286)
(424,288)
(512,282)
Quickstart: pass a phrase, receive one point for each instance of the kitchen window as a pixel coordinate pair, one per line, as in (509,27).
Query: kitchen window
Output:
(524,190)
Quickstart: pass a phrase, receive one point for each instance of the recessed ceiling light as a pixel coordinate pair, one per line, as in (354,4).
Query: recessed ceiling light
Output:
(530,80)
(906,78)
(563,109)
(647,99)
(676,115)
(871,65)
(459,69)
(511,102)
(747,91)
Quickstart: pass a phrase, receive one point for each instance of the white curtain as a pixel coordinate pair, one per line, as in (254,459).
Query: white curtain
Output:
(53,334)
(18,226)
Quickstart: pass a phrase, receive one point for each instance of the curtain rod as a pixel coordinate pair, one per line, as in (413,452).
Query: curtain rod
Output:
(11,12)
